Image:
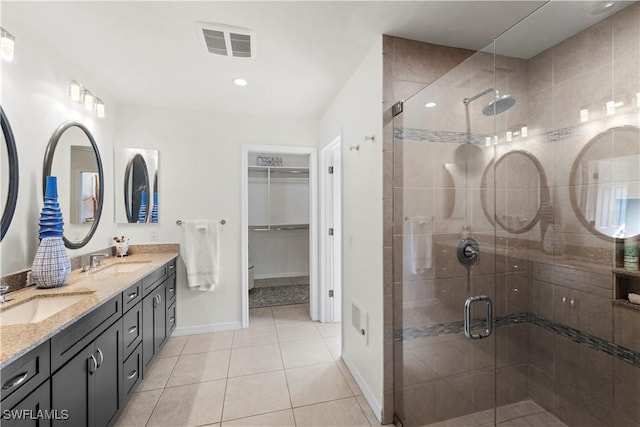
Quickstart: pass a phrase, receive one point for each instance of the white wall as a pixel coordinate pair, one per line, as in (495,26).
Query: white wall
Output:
(200,162)
(33,96)
(356,112)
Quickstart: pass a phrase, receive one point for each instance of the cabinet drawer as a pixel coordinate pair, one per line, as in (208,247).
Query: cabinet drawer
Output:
(37,400)
(26,373)
(131,373)
(170,294)
(151,281)
(132,329)
(71,340)
(171,318)
(131,296)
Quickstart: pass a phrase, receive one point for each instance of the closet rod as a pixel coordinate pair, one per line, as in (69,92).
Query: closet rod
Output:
(279,227)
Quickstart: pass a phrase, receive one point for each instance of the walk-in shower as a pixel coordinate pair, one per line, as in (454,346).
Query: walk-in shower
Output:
(551,335)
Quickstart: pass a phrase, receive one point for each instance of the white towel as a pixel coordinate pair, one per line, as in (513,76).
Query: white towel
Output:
(201,254)
(420,250)
(634,298)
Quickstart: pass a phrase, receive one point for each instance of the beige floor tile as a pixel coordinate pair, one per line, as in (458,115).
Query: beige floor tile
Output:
(189,405)
(259,317)
(273,419)
(303,353)
(297,331)
(255,394)
(349,378)
(204,343)
(256,335)
(364,405)
(254,360)
(315,384)
(139,409)
(173,346)
(334,344)
(329,329)
(290,314)
(200,367)
(344,412)
(158,375)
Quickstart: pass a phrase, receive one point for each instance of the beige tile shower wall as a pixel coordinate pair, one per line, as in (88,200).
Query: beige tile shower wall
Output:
(409,66)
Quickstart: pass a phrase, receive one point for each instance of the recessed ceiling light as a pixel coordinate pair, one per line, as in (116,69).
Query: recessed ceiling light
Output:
(240,82)
(430,104)
(602,7)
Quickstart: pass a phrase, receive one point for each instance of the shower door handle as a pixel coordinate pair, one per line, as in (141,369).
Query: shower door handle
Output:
(467,317)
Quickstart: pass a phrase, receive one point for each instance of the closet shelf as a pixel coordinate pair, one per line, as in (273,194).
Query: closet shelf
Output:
(280,170)
(279,227)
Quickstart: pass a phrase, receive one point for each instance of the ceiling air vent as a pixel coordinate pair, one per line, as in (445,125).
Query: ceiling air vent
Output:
(226,40)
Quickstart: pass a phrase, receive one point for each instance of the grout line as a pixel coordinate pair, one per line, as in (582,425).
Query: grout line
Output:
(286,379)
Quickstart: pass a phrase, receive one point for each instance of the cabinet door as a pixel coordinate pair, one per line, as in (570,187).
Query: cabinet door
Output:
(70,389)
(148,305)
(159,320)
(23,411)
(106,382)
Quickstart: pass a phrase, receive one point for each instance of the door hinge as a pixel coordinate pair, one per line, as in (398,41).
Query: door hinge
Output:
(331,232)
(331,293)
(397,108)
(330,170)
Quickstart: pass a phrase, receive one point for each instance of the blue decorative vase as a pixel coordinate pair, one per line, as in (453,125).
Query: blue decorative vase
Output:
(154,209)
(51,265)
(142,212)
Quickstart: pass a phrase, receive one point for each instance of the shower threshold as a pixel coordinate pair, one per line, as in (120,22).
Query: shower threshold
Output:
(523,413)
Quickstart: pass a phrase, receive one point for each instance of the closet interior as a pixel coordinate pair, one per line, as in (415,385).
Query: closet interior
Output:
(278,213)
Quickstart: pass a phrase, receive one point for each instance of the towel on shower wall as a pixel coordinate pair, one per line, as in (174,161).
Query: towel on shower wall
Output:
(201,254)
(420,250)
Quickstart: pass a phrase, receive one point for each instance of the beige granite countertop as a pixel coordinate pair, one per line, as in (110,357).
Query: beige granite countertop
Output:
(96,286)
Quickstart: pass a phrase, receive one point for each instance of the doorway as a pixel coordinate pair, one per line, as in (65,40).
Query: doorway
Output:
(279,217)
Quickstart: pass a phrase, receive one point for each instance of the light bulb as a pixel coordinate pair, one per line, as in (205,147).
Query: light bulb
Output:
(509,136)
(610,108)
(524,131)
(584,115)
(88,100)
(7,45)
(75,91)
(99,108)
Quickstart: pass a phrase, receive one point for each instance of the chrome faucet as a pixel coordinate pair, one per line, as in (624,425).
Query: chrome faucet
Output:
(95,260)
(4,289)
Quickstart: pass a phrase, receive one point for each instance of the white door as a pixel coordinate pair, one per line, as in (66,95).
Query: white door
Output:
(331,233)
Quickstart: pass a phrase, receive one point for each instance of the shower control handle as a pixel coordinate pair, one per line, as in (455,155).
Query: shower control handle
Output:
(468,251)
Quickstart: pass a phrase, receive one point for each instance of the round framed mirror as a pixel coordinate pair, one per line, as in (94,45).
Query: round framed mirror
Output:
(520,191)
(10,173)
(605,183)
(72,155)
(136,182)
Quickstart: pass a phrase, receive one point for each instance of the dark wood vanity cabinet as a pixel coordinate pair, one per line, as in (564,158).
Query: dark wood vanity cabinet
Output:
(89,385)
(86,373)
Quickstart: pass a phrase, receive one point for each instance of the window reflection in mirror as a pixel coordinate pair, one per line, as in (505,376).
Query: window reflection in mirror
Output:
(136,175)
(605,183)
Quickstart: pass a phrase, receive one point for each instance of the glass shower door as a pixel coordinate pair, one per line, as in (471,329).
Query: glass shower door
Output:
(445,252)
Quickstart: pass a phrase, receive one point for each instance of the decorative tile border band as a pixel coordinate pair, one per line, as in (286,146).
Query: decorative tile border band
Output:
(427,135)
(595,343)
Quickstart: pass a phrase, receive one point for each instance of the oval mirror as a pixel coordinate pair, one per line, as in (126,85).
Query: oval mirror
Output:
(72,155)
(605,183)
(520,191)
(10,174)
(136,182)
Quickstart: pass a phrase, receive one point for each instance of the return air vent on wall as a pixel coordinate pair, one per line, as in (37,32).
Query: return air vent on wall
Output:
(226,40)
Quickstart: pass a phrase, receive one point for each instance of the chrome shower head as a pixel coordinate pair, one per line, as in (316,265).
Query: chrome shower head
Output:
(499,105)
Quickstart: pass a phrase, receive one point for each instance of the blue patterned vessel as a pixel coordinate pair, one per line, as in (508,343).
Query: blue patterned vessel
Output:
(154,209)
(142,213)
(51,265)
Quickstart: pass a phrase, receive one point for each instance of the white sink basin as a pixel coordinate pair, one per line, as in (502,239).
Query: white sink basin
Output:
(37,309)
(121,268)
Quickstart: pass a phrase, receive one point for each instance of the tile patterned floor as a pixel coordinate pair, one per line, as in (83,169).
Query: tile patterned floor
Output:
(278,295)
(285,370)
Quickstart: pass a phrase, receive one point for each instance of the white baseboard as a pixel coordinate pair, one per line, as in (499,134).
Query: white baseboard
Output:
(280,275)
(375,405)
(204,329)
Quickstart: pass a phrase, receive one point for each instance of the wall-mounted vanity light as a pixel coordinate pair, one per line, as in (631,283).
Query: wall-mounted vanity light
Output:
(80,94)
(7,45)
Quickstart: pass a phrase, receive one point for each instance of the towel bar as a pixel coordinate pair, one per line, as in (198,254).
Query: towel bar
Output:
(180,222)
